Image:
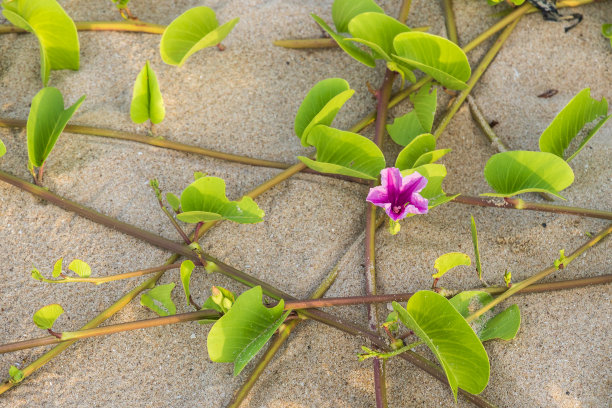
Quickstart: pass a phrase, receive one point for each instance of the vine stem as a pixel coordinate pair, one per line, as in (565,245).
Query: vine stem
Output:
(111,278)
(482,67)
(451,26)
(314,302)
(129,26)
(516,287)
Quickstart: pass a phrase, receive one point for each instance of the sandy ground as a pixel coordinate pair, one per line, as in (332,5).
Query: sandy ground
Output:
(243,100)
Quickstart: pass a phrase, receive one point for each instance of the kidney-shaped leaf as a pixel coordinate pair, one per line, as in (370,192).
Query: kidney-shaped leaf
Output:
(416,148)
(581,110)
(46,121)
(377,31)
(159,300)
(343,11)
(516,172)
(503,326)
(79,267)
(461,354)
(204,200)
(346,153)
(244,329)
(47,315)
(195,29)
(147,101)
(448,261)
(321,105)
(55,30)
(436,56)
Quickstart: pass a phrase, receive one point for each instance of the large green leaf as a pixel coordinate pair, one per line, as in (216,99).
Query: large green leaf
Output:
(47,119)
(321,105)
(55,30)
(416,148)
(503,326)
(462,356)
(448,261)
(159,300)
(377,31)
(343,12)
(195,29)
(205,200)
(147,101)
(516,172)
(348,46)
(581,110)
(436,56)
(47,315)
(244,329)
(346,153)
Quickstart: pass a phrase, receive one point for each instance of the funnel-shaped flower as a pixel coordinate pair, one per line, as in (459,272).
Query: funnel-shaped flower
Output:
(399,195)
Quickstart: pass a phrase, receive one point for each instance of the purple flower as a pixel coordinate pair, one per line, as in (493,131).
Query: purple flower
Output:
(399,195)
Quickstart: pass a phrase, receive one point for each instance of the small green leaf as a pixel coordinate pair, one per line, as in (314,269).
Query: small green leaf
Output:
(436,56)
(195,29)
(159,300)
(2,149)
(37,275)
(321,105)
(348,46)
(420,145)
(606,31)
(475,243)
(205,200)
(147,101)
(174,201)
(343,11)
(16,374)
(186,269)
(461,354)
(508,278)
(55,30)
(80,268)
(46,121)
(516,172)
(57,268)
(47,315)
(244,329)
(581,110)
(448,261)
(376,31)
(431,157)
(346,153)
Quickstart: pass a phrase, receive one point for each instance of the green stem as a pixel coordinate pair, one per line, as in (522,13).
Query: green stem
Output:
(404,11)
(129,26)
(482,67)
(560,285)
(111,278)
(540,275)
(451,26)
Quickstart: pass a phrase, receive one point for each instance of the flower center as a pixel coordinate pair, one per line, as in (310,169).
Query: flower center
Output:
(397,209)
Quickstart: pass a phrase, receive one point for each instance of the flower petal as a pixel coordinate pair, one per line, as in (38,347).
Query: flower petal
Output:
(391,180)
(378,196)
(418,205)
(411,184)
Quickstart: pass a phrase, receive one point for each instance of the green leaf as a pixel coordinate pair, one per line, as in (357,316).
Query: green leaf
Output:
(346,153)
(503,326)
(425,103)
(475,243)
(420,145)
(55,30)
(581,110)
(431,157)
(244,329)
(435,174)
(37,275)
(343,11)
(46,121)
(2,149)
(57,268)
(376,31)
(159,300)
(16,374)
(195,29)
(186,269)
(606,31)
(321,105)
(174,201)
(448,261)
(198,174)
(147,101)
(459,351)
(436,56)
(516,172)
(47,315)
(348,46)
(205,200)
(80,268)
(406,128)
